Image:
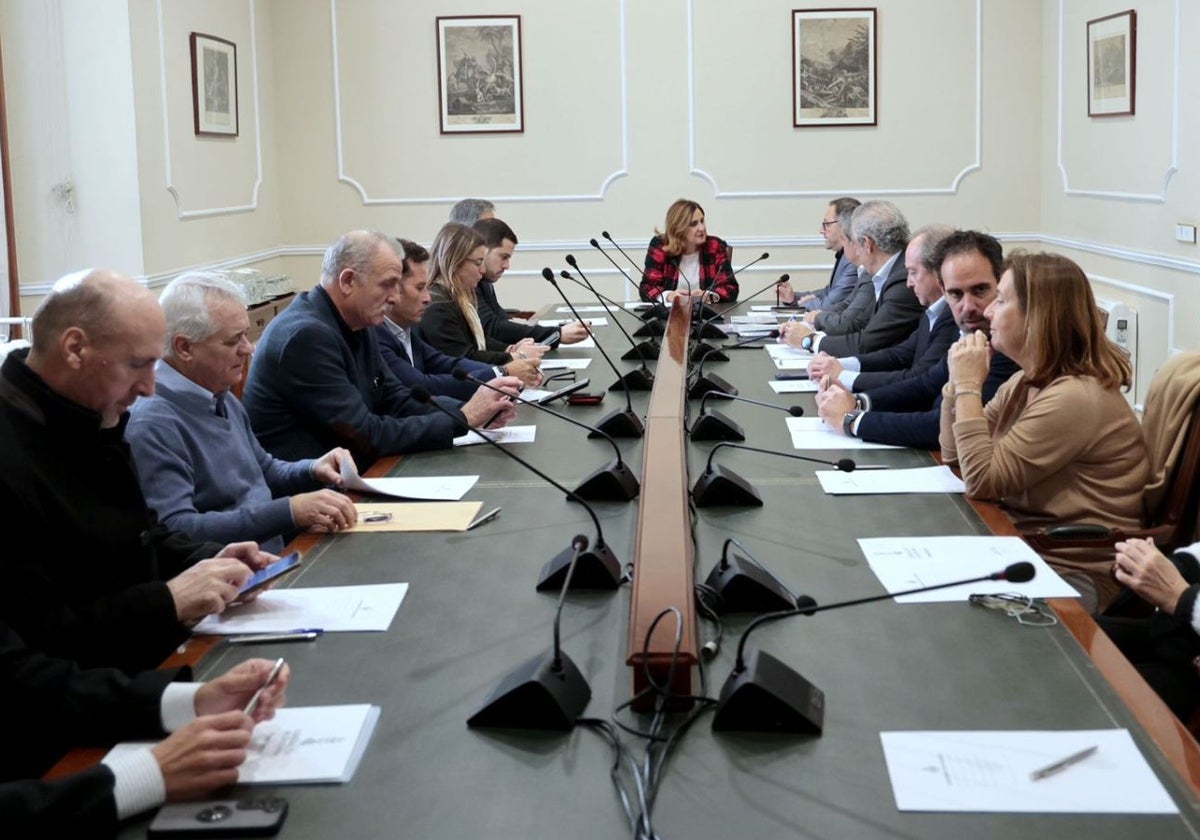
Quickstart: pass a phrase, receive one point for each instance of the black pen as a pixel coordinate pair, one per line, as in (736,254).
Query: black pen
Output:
(487,517)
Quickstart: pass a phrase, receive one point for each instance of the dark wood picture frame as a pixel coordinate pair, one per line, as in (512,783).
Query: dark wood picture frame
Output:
(1112,65)
(214,85)
(835,59)
(480,87)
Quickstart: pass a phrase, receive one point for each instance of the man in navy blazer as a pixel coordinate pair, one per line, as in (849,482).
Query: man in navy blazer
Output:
(880,234)
(414,360)
(907,413)
(924,347)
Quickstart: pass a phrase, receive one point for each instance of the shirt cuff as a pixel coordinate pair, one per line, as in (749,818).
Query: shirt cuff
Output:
(499,372)
(847,377)
(138,782)
(854,426)
(178,704)
(850,363)
(816,341)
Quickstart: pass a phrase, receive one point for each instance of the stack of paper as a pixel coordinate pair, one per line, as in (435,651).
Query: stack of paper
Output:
(509,434)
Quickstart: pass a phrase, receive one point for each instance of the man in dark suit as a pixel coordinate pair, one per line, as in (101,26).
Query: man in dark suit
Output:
(501,242)
(50,703)
(880,234)
(924,347)
(908,413)
(415,361)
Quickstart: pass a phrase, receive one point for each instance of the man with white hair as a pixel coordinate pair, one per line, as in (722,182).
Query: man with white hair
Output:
(200,466)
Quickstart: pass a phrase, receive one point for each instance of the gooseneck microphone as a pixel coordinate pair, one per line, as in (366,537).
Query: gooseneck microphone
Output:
(715,354)
(719,485)
(613,482)
(713,425)
(700,383)
(598,568)
(641,379)
(618,423)
(763,694)
(545,692)
(704,327)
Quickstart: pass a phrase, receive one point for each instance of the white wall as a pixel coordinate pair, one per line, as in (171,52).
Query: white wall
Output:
(628,105)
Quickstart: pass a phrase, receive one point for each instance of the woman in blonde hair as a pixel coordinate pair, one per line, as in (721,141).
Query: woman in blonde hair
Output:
(452,324)
(686,260)
(1058,444)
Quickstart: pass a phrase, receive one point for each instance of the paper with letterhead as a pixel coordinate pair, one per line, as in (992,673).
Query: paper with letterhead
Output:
(361,608)
(937,479)
(990,772)
(565,364)
(509,434)
(558,322)
(903,563)
(413,516)
(779,351)
(794,386)
(812,433)
(301,745)
(436,488)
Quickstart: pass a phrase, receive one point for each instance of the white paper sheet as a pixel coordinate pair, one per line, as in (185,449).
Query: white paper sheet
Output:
(937,479)
(779,351)
(579,309)
(766,320)
(437,488)
(509,434)
(588,343)
(989,772)
(903,563)
(812,433)
(369,607)
(762,307)
(792,364)
(302,745)
(794,386)
(565,364)
(558,322)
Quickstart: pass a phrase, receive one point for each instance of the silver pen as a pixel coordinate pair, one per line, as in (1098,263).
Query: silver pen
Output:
(1061,765)
(487,517)
(253,704)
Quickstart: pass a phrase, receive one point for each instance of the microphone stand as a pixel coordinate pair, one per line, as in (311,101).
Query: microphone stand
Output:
(716,354)
(646,350)
(762,694)
(657,310)
(713,425)
(545,692)
(618,423)
(705,328)
(598,568)
(701,384)
(613,482)
(720,485)
(746,586)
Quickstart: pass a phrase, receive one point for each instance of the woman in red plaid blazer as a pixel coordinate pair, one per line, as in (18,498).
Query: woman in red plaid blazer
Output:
(686,260)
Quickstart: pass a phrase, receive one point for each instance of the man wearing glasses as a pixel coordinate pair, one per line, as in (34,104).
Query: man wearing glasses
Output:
(844,276)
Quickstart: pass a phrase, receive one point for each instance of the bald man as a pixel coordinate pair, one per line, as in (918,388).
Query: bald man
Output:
(103,583)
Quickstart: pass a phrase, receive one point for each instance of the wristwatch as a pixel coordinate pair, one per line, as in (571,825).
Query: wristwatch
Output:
(806,343)
(849,420)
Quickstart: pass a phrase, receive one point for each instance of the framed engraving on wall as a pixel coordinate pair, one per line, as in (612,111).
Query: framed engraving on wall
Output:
(479,74)
(1112,64)
(833,67)
(214,85)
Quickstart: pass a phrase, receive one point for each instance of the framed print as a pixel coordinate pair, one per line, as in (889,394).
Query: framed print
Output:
(1112,64)
(214,85)
(833,67)
(479,74)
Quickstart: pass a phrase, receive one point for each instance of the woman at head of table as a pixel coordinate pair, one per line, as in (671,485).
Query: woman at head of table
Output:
(1058,444)
(685,260)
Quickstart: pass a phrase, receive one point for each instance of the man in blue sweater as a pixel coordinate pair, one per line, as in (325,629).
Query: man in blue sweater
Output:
(200,466)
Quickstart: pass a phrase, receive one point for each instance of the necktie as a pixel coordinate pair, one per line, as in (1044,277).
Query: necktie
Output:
(219,405)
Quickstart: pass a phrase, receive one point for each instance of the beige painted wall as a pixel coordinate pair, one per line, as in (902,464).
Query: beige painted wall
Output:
(628,105)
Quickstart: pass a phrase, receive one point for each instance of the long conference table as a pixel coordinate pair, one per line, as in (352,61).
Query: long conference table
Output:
(472,614)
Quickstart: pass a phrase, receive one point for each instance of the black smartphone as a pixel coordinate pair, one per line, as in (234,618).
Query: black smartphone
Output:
(252,817)
(792,374)
(585,399)
(267,574)
(564,391)
(551,340)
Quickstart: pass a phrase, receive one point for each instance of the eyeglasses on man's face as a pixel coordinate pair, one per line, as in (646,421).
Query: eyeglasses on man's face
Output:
(827,224)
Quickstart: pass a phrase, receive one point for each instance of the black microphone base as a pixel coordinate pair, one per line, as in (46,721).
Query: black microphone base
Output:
(644,351)
(768,696)
(536,696)
(612,483)
(746,587)
(641,379)
(708,353)
(597,568)
(721,486)
(651,329)
(707,329)
(710,382)
(621,424)
(713,425)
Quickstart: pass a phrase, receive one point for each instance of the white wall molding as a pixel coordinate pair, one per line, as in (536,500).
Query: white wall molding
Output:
(162,84)
(695,169)
(1144,291)
(1172,167)
(366,199)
